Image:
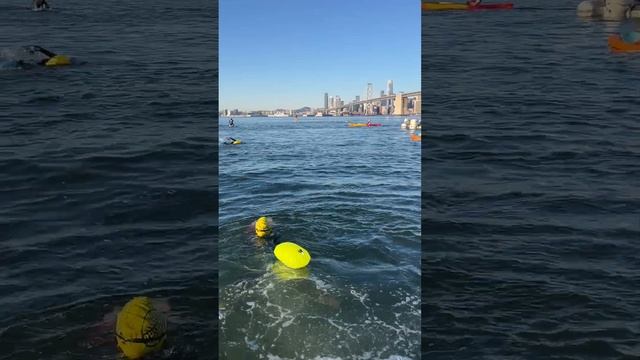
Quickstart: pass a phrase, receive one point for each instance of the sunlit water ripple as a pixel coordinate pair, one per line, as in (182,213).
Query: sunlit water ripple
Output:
(351,196)
(108,185)
(531,212)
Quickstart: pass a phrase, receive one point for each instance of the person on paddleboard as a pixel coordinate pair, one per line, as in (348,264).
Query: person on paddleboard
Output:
(40,5)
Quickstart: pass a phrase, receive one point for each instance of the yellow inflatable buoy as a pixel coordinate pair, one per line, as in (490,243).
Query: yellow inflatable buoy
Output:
(237,142)
(58,60)
(140,328)
(292,255)
(262,227)
(285,273)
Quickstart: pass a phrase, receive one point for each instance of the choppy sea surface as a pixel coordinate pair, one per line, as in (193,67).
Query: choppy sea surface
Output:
(351,197)
(531,197)
(108,185)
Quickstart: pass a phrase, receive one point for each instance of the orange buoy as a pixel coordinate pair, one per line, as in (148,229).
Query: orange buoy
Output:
(616,44)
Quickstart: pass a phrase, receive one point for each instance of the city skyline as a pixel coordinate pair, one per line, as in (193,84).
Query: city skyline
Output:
(329,99)
(387,102)
(266,65)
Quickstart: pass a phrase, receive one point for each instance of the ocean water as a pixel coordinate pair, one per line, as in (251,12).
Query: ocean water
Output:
(108,184)
(351,197)
(531,197)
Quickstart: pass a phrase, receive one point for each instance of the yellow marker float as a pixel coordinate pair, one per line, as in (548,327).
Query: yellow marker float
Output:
(292,255)
(58,60)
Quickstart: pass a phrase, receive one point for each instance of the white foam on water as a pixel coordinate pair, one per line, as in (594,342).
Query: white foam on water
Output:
(321,285)
(252,344)
(274,311)
(276,357)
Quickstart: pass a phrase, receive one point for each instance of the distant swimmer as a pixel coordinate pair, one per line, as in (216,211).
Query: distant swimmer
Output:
(232,141)
(40,56)
(44,54)
(40,5)
(26,57)
(231,124)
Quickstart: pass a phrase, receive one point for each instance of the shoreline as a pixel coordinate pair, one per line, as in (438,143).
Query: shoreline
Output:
(319,117)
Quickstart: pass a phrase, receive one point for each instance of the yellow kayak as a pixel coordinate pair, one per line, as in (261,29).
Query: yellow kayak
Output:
(444,6)
(360,124)
(458,6)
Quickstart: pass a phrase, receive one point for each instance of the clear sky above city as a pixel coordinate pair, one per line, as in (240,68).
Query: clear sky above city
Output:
(288,53)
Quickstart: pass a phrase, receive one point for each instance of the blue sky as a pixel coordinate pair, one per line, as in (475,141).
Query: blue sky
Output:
(288,53)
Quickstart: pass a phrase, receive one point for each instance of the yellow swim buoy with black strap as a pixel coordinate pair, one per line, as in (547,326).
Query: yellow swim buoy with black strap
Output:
(140,328)
(262,227)
(58,60)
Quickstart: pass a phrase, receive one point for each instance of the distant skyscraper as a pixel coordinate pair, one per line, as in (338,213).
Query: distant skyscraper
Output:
(381,93)
(369,91)
(331,102)
(390,87)
(357,98)
(326,101)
